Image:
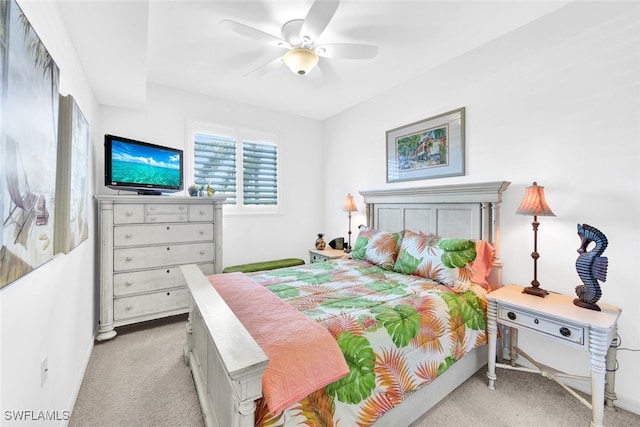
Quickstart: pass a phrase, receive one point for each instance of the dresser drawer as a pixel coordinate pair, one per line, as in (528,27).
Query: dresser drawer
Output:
(162,255)
(157,302)
(128,214)
(155,213)
(166,209)
(201,213)
(541,324)
(133,235)
(147,280)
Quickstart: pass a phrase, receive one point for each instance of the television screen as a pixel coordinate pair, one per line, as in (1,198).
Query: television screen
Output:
(140,166)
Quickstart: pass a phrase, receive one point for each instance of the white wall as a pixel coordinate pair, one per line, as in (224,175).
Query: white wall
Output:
(51,310)
(247,238)
(557,102)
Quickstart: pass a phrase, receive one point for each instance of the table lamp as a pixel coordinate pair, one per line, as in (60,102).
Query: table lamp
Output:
(535,204)
(349,206)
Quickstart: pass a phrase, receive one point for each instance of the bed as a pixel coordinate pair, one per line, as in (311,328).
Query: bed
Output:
(234,377)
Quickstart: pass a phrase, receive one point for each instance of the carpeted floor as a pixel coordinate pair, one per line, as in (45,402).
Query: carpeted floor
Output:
(139,379)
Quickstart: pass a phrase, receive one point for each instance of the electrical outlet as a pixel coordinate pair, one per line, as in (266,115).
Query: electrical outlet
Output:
(44,370)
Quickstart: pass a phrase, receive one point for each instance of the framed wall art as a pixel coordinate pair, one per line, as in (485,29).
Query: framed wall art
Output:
(430,148)
(29,80)
(72,181)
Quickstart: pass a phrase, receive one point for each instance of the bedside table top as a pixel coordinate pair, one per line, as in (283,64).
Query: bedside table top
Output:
(329,252)
(558,305)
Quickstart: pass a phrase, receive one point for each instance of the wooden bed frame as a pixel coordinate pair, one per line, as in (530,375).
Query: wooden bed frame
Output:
(227,364)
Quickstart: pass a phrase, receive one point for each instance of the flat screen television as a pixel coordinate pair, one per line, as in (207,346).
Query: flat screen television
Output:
(142,167)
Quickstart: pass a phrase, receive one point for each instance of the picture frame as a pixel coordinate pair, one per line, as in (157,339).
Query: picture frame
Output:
(72,179)
(426,149)
(29,91)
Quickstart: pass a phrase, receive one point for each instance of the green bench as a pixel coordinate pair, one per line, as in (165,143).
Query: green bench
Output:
(265,265)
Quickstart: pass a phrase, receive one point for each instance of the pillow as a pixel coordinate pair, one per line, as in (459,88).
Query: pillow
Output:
(447,261)
(483,263)
(377,247)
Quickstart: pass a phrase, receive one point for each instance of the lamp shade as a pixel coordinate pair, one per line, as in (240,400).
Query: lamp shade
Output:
(350,204)
(300,60)
(534,203)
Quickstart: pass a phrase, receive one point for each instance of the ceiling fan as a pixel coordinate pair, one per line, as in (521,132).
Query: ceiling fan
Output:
(300,40)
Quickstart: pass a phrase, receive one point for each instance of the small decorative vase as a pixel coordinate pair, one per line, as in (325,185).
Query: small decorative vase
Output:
(320,243)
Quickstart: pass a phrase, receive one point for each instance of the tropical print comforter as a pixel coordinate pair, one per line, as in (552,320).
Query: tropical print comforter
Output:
(397,333)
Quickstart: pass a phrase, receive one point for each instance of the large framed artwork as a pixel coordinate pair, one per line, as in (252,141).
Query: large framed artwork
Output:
(29,80)
(72,177)
(430,148)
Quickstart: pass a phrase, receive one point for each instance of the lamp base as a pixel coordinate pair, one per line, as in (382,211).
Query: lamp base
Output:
(534,290)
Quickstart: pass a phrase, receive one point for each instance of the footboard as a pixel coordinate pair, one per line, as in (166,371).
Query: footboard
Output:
(227,364)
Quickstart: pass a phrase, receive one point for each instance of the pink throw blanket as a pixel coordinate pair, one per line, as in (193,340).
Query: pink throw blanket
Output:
(303,356)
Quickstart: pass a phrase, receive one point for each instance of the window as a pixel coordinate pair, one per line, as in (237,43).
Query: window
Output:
(240,164)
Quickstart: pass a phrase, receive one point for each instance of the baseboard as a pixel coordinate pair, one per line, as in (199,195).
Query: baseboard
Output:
(85,365)
(628,405)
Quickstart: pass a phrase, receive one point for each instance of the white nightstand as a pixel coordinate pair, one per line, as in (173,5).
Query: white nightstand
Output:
(327,254)
(557,318)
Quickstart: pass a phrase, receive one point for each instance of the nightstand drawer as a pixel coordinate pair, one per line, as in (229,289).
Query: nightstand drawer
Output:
(318,258)
(541,324)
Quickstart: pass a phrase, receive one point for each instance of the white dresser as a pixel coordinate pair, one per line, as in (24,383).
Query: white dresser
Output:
(143,242)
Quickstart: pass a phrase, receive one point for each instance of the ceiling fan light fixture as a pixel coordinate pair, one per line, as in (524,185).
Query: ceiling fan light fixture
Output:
(300,60)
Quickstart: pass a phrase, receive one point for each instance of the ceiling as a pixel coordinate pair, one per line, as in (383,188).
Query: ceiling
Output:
(125,44)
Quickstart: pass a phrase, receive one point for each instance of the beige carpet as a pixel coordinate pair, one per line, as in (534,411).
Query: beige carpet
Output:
(139,379)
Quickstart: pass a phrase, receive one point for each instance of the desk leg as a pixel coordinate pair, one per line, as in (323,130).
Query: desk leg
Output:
(598,344)
(492,330)
(610,376)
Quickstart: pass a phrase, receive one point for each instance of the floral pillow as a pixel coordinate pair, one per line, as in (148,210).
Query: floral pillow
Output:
(377,247)
(447,261)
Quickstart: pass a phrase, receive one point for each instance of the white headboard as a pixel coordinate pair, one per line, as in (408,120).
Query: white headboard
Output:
(460,211)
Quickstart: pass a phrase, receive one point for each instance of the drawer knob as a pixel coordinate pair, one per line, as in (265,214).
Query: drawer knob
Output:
(168,228)
(129,258)
(511,315)
(128,283)
(128,213)
(202,252)
(536,321)
(168,248)
(129,307)
(565,332)
(128,235)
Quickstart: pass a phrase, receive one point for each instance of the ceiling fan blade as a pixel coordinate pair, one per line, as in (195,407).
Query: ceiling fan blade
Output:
(347,51)
(266,68)
(318,18)
(254,33)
